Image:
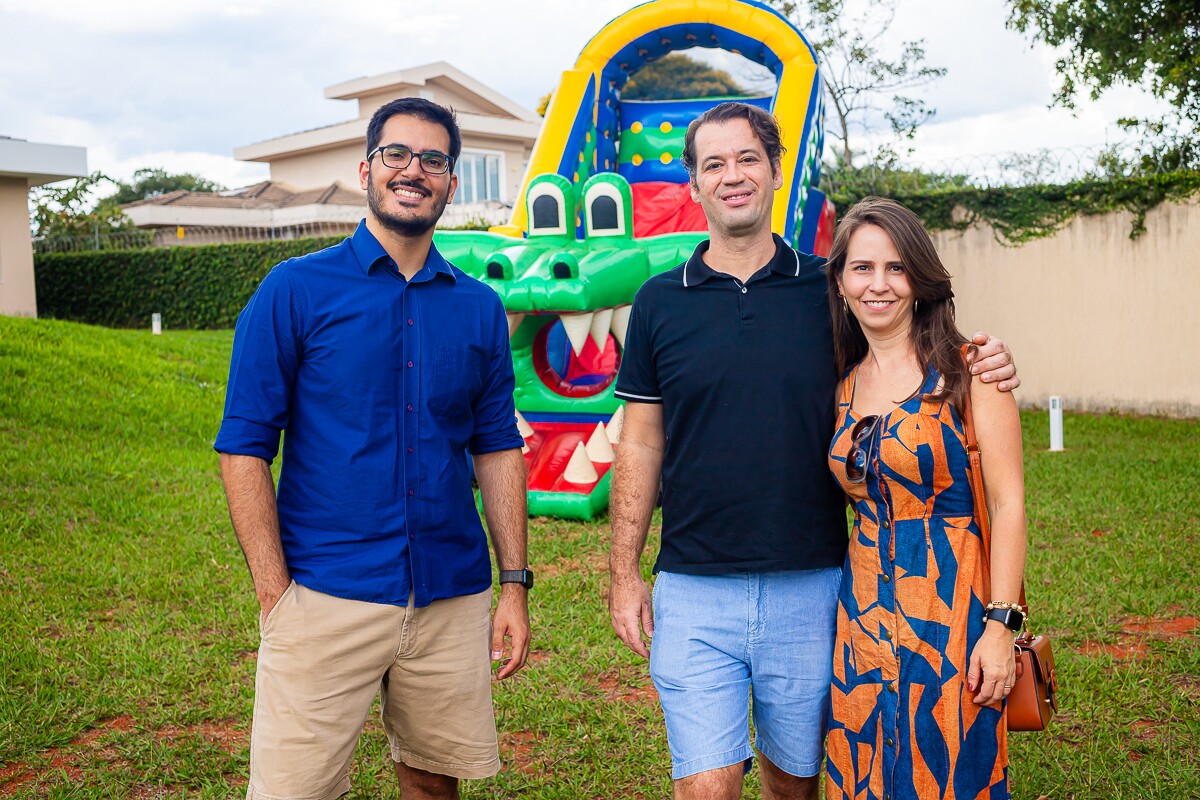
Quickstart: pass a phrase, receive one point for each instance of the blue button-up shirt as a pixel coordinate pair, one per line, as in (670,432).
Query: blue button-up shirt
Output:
(382,386)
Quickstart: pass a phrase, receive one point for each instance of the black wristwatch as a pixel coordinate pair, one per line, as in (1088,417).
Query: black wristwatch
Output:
(521,576)
(1013,620)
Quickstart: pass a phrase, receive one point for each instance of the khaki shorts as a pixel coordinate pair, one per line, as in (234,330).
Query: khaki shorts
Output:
(323,659)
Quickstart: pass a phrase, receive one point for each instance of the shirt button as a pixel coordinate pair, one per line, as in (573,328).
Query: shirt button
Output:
(886,579)
(890,742)
(411,492)
(409,406)
(410,449)
(887,635)
(410,365)
(884,524)
(743,290)
(892,688)
(410,322)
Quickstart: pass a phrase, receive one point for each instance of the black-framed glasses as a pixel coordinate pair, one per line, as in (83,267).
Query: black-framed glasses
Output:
(859,455)
(398,156)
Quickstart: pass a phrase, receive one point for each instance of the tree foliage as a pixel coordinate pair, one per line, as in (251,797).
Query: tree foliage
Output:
(154,181)
(677,76)
(863,83)
(71,209)
(1109,43)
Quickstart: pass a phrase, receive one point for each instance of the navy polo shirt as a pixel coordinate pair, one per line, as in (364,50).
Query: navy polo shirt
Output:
(746,378)
(382,386)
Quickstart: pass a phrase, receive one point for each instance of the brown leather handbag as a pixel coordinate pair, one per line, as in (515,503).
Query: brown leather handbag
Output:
(1033,699)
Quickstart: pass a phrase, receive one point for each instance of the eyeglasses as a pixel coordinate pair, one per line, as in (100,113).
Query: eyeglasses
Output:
(859,454)
(397,156)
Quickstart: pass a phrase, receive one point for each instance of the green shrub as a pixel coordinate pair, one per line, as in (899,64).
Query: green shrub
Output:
(192,287)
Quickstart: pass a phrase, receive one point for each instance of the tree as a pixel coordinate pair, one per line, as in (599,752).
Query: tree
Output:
(675,76)
(1111,43)
(862,84)
(153,181)
(70,210)
(68,217)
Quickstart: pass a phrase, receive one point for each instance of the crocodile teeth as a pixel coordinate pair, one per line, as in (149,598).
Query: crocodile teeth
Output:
(620,323)
(614,425)
(514,322)
(599,330)
(577,326)
(524,427)
(579,469)
(599,449)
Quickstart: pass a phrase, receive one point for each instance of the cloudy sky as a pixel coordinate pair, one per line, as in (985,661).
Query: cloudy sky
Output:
(180,84)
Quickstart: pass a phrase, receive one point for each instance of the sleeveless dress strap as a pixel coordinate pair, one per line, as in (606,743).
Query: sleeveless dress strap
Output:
(847,393)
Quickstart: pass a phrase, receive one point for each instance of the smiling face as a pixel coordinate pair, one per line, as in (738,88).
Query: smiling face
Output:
(875,283)
(408,202)
(734,181)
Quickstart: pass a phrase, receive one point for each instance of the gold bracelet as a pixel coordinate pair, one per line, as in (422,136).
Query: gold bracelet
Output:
(1011,606)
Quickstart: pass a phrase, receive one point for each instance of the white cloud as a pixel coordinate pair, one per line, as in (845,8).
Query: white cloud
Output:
(152,83)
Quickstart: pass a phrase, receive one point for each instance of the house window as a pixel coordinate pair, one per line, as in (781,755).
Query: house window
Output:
(479,177)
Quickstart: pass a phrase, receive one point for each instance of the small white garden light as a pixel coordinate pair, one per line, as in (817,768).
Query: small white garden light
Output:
(1056,424)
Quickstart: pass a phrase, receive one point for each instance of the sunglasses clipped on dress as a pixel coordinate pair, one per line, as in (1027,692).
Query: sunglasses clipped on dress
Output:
(859,455)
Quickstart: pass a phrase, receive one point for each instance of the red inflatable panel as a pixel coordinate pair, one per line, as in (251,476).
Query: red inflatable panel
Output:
(550,448)
(824,241)
(660,207)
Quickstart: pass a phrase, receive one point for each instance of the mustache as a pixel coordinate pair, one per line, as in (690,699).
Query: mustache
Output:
(399,183)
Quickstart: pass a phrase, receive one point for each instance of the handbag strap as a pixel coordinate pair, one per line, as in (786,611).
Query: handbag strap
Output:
(975,460)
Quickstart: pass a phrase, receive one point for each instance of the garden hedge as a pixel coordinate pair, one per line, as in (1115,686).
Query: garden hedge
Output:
(192,287)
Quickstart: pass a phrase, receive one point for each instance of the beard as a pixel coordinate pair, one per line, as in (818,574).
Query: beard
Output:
(410,225)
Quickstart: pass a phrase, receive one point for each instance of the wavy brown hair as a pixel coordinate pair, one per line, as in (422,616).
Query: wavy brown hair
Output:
(934,335)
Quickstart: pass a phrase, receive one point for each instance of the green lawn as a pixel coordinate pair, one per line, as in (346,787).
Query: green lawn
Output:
(128,629)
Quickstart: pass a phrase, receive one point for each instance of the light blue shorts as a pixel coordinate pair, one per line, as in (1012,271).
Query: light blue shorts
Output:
(720,639)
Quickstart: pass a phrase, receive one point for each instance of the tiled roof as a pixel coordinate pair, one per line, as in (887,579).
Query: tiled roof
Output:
(267,194)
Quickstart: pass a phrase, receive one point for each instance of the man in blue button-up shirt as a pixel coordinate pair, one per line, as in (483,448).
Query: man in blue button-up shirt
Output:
(385,365)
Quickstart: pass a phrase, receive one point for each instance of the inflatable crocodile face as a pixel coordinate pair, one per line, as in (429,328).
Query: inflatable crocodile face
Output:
(568,300)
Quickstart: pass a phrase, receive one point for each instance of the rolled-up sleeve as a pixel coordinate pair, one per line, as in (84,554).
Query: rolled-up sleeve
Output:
(262,371)
(495,412)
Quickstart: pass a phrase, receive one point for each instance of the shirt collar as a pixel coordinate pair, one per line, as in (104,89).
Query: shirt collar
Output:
(370,253)
(695,271)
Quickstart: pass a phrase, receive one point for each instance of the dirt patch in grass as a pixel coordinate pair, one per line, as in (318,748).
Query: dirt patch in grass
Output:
(593,563)
(621,686)
(1157,628)
(519,752)
(1136,632)
(68,763)
(224,734)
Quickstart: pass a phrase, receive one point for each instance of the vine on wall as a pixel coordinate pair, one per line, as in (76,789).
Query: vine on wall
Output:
(1023,213)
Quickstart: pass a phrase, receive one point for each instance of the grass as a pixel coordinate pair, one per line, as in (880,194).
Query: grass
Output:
(128,629)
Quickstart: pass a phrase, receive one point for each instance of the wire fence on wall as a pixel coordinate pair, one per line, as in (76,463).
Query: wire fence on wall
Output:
(470,216)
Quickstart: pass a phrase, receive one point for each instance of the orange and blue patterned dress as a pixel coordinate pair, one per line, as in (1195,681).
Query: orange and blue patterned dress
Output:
(903,724)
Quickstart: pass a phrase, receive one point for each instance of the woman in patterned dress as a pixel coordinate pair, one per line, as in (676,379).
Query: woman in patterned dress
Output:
(920,677)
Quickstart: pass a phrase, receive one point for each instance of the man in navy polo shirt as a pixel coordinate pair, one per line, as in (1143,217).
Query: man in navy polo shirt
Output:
(385,365)
(728,377)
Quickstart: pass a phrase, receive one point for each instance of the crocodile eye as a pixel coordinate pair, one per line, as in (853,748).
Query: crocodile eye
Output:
(495,270)
(547,213)
(604,214)
(608,203)
(550,202)
(562,270)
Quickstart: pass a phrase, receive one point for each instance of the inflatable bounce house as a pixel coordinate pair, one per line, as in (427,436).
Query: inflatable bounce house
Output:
(605,205)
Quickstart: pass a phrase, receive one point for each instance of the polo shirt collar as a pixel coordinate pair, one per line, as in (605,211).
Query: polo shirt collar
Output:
(695,271)
(370,252)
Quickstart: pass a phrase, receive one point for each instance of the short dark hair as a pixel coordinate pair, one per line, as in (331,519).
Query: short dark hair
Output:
(763,123)
(420,108)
